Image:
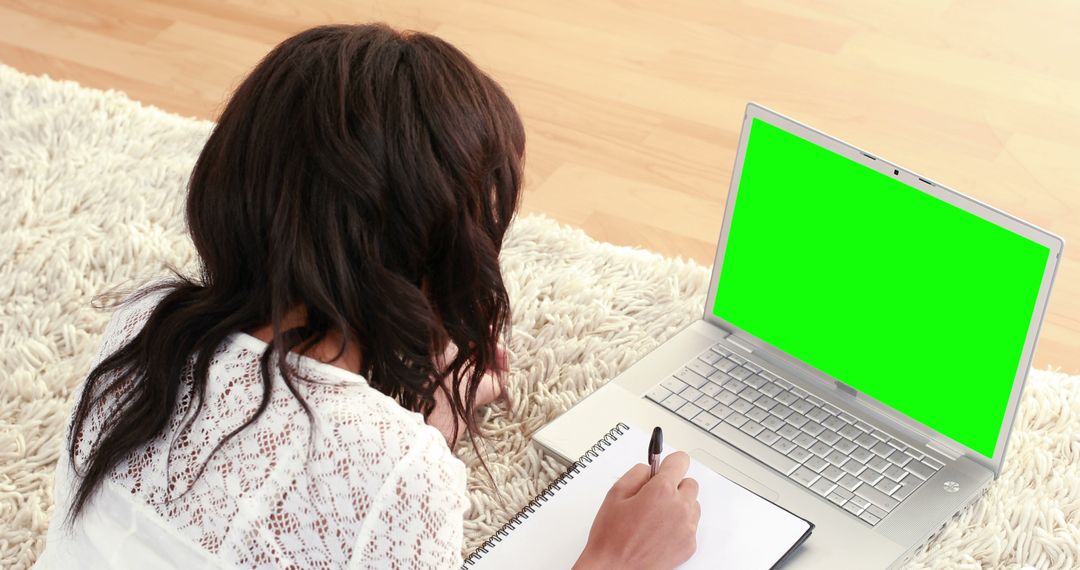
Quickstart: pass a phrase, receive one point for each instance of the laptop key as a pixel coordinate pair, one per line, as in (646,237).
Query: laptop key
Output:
(705,402)
(882,449)
(735,419)
(673,402)
(740,373)
(804,476)
(765,402)
(688,411)
(767,437)
(878,464)
(844,445)
(823,486)
(907,487)
(726,397)
(828,436)
(833,423)
(802,406)
(786,397)
(859,502)
(797,420)
(756,381)
(757,414)
(820,449)
(869,518)
(861,455)
(920,469)
(773,423)
(799,454)
(850,432)
(843,493)
(815,464)
(734,385)
(780,410)
(771,390)
(877,498)
(751,428)
(721,411)
(705,420)
(674,385)
(836,458)
(834,497)
(709,357)
(804,440)
(866,440)
(849,482)
(788,431)
(853,467)
(868,475)
(895,473)
(886,485)
(719,349)
(741,406)
(832,473)
(813,428)
(725,365)
(658,394)
(899,458)
(753,367)
(691,378)
(756,449)
(711,389)
(700,367)
(690,394)
(817,414)
(852,508)
(749,394)
(876,512)
(783,446)
(932,462)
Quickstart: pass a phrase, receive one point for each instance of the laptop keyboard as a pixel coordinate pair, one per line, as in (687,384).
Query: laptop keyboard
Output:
(845,460)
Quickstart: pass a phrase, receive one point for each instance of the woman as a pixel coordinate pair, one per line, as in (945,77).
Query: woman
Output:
(283,410)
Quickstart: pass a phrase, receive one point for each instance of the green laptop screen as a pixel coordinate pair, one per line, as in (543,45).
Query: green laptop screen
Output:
(898,294)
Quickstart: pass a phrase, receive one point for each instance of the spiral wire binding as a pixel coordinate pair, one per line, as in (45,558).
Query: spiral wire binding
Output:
(546,494)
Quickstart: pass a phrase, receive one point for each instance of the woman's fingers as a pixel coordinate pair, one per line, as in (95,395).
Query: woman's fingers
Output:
(674,467)
(630,483)
(688,488)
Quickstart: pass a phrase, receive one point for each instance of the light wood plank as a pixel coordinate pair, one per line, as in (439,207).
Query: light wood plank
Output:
(633,107)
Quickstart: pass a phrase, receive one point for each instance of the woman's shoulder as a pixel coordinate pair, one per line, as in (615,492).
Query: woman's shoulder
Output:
(362,421)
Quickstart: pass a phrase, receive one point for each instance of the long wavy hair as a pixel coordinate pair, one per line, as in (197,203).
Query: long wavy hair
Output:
(364,174)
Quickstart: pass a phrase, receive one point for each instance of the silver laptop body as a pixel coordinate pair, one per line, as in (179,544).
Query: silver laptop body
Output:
(770,422)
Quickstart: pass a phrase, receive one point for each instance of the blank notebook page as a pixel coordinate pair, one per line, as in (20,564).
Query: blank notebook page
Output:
(738,529)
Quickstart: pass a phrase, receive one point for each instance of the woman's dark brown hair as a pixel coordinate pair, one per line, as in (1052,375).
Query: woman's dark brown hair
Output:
(365,174)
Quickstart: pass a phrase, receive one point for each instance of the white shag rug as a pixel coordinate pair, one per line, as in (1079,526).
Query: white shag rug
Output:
(91,187)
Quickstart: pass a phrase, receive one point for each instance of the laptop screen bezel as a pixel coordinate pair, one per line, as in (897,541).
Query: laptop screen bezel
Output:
(922,184)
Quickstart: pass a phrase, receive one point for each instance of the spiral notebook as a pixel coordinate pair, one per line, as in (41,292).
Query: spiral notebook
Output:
(738,529)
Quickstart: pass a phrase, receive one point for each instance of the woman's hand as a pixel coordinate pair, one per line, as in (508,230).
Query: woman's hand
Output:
(646,523)
(490,388)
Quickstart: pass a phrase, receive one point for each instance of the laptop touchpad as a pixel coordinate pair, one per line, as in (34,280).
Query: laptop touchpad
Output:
(722,467)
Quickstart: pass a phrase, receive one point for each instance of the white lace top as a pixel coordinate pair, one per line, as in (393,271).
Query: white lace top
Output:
(376,487)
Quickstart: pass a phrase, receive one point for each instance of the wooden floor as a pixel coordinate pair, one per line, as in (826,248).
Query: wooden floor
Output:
(633,106)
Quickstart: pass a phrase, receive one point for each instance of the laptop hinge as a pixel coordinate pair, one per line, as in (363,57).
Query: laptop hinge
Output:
(945,449)
(732,340)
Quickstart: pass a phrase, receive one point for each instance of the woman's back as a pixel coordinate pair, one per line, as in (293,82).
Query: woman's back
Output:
(364,482)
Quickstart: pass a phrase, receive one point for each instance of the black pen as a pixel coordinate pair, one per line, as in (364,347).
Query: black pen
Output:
(656,447)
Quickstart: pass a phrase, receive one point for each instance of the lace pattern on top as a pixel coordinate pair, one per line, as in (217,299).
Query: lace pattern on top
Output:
(373,486)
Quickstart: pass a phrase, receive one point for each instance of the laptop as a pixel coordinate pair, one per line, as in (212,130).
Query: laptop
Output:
(862,351)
